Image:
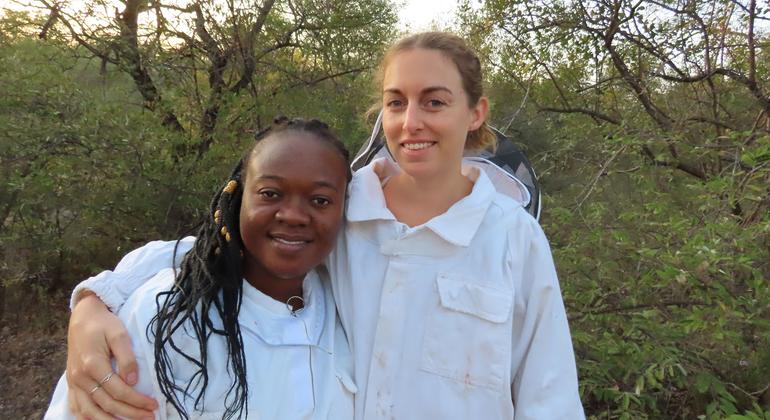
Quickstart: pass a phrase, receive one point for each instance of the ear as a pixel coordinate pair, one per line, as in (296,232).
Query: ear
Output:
(479,111)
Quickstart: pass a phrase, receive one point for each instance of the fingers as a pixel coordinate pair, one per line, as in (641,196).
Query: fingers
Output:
(116,393)
(94,333)
(106,400)
(116,407)
(119,388)
(87,350)
(87,409)
(120,345)
(89,372)
(73,404)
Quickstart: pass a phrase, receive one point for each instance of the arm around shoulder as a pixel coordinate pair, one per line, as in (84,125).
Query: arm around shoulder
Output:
(71,403)
(138,266)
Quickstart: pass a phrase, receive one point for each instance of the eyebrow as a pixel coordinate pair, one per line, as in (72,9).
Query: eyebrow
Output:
(429,89)
(316,183)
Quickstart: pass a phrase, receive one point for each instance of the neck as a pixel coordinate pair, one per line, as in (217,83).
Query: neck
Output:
(415,200)
(279,289)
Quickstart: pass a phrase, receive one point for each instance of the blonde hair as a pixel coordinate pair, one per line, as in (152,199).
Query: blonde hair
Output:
(468,65)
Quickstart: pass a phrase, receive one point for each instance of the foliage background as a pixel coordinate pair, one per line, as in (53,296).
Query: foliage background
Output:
(648,123)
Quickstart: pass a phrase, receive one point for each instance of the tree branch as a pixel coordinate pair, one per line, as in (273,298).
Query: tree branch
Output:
(634,308)
(688,169)
(594,114)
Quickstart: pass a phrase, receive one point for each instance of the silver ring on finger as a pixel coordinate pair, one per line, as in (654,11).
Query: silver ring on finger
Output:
(106,378)
(94,389)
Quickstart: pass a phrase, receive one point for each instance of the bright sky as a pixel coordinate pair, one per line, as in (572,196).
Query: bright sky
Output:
(414,15)
(419,15)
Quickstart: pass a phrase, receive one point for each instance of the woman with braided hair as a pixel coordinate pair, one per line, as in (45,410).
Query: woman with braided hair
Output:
(246,325)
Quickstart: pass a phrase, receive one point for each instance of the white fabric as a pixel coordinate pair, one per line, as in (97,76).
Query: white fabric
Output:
(114,287)
(297,366)
(459,318)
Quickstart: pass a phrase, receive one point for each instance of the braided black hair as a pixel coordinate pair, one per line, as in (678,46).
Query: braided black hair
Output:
(211,279)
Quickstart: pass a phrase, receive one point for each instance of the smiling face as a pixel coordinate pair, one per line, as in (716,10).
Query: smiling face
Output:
(427,114)
(292,207)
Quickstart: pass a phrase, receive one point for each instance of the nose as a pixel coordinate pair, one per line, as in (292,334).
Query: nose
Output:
(413,120)
(293,212)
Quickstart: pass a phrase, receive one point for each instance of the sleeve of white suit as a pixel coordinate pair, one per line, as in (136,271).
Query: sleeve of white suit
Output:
(138,266)
(544,375)
(136,317)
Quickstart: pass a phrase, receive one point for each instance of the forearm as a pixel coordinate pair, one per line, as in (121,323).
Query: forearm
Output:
(114,287)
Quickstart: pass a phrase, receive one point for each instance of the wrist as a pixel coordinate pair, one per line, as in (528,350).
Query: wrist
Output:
(88,298)
(80,295)
(97,288)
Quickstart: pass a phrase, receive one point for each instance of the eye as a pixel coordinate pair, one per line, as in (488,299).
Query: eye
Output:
(269,194)
(394,103)
(321,201)
(435,103)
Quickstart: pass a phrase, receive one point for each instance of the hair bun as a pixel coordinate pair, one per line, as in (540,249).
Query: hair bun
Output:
(317,124)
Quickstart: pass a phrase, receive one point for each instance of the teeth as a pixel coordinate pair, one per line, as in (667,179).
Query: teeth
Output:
(417,146)
(284,241)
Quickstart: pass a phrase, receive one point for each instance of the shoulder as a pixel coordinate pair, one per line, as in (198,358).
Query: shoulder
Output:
(141,304)
(524,238)
(508,215)
(373,172)
(157,249)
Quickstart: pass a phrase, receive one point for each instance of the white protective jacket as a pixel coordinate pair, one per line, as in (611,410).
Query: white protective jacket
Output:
(297,364)
(459,318)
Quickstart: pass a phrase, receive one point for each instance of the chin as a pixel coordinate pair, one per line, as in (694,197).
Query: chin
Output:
(292,273)
(419,169)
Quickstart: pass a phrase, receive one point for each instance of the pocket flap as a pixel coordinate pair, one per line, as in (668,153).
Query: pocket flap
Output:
(483,301)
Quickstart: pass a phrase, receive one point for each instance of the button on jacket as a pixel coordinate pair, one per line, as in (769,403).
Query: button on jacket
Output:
(458,318)
(297,364)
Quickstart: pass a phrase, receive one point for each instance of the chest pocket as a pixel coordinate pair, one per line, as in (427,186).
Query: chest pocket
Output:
(467,333)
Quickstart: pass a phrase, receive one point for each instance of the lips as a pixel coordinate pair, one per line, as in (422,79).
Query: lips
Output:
(416,147)
(417,144)
(290,238)
(289,242)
